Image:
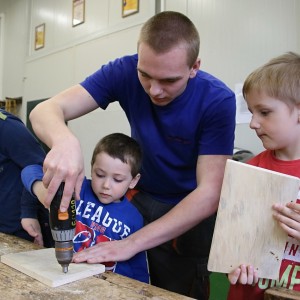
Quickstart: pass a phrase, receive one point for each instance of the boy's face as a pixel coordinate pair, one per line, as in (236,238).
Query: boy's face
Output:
(164,76)
(276,123)
(111,178)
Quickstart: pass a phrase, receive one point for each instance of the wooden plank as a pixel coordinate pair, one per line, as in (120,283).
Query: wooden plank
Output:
(43,266)
(13,244)
(147,290)
(108,285)
(245,230)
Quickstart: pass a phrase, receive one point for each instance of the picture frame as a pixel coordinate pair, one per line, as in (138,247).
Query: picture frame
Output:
(78,12)
(39,36)
(129,7)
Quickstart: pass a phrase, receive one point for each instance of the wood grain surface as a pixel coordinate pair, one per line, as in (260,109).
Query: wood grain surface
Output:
(245,230)
(19,286)
(281,294)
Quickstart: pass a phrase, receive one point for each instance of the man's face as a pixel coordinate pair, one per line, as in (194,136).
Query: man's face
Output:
(164,76)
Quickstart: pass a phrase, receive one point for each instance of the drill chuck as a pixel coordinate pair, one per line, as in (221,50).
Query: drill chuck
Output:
(63,229)
(64,254)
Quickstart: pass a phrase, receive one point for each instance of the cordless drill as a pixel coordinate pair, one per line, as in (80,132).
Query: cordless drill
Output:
(62,226)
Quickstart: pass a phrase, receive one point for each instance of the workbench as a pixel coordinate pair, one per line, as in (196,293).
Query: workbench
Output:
(281,294)
(18,286)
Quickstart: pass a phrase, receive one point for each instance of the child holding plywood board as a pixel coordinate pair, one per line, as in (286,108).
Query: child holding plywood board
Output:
(272,93)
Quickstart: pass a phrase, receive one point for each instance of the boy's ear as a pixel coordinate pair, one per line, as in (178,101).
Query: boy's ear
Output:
(134,181)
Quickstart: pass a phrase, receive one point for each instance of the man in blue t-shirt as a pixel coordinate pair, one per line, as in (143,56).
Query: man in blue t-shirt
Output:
(184,120)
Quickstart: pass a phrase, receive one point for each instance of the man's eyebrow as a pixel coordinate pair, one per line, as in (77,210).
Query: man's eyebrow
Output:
(141,71)
(167,78)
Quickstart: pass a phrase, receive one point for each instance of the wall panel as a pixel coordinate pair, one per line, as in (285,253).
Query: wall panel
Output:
(239,35)
(71,54)
(236,37)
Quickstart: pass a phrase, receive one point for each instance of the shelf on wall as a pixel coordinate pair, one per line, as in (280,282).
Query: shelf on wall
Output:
(11,104)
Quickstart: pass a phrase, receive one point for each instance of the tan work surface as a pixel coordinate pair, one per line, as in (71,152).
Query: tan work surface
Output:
(43,266)
(245,230)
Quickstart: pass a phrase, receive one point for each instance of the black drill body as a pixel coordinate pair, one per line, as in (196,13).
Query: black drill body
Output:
(63,229)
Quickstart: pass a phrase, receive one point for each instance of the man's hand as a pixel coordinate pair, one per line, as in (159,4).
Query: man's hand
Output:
(33,228)
(106,252)
(243,275)
(289,218)
(64,162)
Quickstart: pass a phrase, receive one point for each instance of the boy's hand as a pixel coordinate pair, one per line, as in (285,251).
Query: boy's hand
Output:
(33,228)
(243,275)
(289,218)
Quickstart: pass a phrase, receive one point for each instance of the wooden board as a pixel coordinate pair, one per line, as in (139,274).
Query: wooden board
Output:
(43,266)
(245,231)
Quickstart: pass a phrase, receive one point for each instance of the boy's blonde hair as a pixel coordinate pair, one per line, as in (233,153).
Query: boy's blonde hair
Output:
(279,78)
(168,29)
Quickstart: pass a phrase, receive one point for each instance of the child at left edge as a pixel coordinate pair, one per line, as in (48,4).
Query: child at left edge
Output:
(103,212)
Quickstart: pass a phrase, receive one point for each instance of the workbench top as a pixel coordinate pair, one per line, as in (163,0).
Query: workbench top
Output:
(18,286)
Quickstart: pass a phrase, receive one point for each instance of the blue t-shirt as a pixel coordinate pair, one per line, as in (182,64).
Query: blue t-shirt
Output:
(97,222)
(201,121)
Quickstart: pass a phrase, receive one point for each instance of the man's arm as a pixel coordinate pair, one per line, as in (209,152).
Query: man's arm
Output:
(197,206)
(64,162)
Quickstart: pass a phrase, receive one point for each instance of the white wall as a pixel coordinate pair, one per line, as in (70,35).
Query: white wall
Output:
(236,37)
(70,54)
(239,35)
(15,14)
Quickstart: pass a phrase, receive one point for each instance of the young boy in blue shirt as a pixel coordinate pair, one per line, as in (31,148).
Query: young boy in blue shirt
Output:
(103,212)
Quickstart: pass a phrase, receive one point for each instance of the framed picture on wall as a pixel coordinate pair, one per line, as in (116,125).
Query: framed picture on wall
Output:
(39,37)
(129,7)
(78,14)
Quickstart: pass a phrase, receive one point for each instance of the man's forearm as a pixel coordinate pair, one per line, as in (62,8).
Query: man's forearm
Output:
(184,216)
(48,122)
(194,208)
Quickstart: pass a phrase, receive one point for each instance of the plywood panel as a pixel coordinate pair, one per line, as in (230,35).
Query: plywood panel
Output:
(245,231)
(43,266)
